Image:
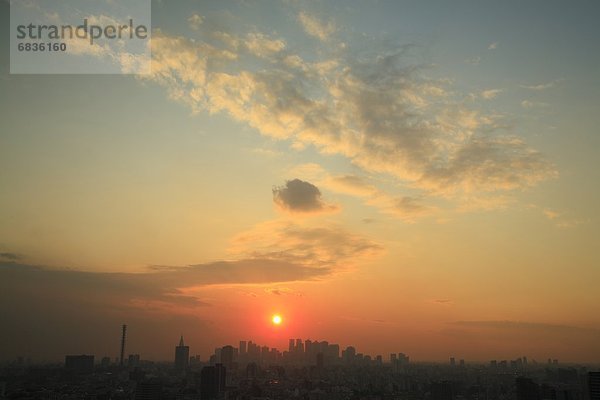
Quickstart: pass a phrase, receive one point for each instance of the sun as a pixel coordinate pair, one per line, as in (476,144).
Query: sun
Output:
(276,319)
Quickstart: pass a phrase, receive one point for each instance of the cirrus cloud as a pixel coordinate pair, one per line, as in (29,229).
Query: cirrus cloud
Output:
(380,112)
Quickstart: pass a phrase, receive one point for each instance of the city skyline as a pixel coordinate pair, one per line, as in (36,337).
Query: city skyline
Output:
(410,176)
(298,352)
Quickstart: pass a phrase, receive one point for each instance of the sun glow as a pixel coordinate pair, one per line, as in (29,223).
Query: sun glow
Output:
(276,319)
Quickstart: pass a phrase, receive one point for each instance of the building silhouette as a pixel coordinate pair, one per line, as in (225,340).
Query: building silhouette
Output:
(594,385)
(227,356)
(212,381)
(182,355)
(123,338)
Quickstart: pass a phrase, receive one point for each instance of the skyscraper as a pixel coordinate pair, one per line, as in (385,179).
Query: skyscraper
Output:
(182,355)
(227,356)
(594,385)
(212,381)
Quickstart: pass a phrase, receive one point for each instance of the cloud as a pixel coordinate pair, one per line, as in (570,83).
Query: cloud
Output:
(493,46)
(323,246)
(81,311)
(195,21)
(379,112)
(560,220)
(10,256)
(533,104)
(282,291)
(352,185)
(300,197)
(543,86)
(406,208)
(409,206)
(550,214)
(158,282)
(490,94)
(444,302)
(262,45)
(475,60)
(315,27)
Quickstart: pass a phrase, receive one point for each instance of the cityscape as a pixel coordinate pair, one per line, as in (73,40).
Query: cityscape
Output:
(299,199)
(307,369)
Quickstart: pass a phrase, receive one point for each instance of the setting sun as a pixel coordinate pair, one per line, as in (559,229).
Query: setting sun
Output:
(276,319)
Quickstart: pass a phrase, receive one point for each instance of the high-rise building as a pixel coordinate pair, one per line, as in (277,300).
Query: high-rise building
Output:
(242,347)
(182,355)
(299,346)
(349,355)
(227,356)
(212,381)
(123,337)
(594,385)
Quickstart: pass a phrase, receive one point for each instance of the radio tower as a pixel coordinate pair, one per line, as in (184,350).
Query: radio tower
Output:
(123,344)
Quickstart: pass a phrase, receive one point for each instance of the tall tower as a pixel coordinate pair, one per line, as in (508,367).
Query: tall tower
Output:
(182,355)
(123,336)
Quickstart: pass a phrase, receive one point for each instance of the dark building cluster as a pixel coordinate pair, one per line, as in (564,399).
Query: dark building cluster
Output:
(311,370)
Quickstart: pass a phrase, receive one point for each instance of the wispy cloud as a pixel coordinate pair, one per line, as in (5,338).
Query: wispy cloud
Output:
(543,86)
(379,112)
(533,104)
(316,27)
(10,256)
(475,60)
(195,21)
(407,208)
(318,246)
(490,93)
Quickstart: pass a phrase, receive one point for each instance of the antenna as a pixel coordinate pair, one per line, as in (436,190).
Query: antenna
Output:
(123,336)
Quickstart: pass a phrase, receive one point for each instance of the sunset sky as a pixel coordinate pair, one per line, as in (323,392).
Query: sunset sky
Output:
(401,176)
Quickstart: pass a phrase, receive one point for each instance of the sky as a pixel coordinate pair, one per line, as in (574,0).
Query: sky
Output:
(400,176)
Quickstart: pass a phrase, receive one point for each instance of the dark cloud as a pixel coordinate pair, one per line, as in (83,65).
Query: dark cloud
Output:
(48,312)
(10,256)
(300,196)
